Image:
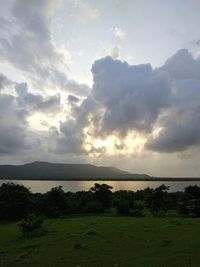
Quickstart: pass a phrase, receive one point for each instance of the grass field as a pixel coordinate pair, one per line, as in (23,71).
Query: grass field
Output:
(101,241)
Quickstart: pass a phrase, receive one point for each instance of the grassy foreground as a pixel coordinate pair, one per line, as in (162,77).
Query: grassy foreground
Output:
(103,241)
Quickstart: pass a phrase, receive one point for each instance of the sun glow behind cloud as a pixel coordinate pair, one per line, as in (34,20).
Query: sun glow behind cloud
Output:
(133,143)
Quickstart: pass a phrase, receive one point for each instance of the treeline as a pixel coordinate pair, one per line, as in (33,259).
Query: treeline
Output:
(17,201)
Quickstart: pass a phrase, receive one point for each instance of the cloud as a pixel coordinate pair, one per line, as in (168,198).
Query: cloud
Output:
(160,104)
(30,47)
(36,102)
(3,81)
(13,125)
(197,42)
(77,89)
(180,128)
(72,99)
(17,104)
(180,125)
(133,96)
(71,138)
(182,66)
(124,98)
(126,101)
(114,52)
(119,33)
(83,11)
(5,25)
(72,130)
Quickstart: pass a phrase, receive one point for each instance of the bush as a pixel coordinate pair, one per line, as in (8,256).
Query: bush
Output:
(137,209)
(102,193)
(91,232)
(15,201)
(127,207)
(93,206)
(190,208)
(32,226)
(123,206)
(55,203)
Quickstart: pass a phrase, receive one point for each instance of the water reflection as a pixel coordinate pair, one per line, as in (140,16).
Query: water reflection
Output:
(74,186)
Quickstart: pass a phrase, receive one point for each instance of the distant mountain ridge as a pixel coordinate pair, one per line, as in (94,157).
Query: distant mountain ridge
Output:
(40,170)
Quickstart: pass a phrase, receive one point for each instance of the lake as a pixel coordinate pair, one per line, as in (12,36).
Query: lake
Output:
(74,186)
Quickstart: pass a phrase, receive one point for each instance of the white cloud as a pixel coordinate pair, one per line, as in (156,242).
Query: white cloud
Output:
(114,52)
(83,11)
(32,49)
(119,33)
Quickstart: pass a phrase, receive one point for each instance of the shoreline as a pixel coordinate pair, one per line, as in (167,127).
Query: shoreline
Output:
(149,179)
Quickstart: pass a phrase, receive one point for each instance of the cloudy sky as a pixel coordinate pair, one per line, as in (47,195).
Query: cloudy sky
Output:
(113,83)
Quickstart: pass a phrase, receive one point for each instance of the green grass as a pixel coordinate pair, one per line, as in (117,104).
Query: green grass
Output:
(101,241)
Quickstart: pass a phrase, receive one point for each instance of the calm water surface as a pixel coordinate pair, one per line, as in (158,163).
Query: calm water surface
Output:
(74,186)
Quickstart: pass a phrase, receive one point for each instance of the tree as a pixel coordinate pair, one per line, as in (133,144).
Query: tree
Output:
(102,193)
(160,200)
(15,201)
(55,202)
(193,191)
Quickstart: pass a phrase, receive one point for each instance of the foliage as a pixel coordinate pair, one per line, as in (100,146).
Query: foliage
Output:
(93,206)
(132,207)
(55,202)
(102,193)
(16,202)
(32,225)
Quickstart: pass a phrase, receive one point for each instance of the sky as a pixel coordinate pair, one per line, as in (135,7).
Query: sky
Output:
(112,83)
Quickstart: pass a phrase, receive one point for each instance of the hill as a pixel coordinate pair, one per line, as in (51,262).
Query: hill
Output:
(59,171)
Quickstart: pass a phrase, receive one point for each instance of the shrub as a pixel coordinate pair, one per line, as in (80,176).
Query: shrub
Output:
(55,202)
(102,193)
(127,207)
(123,206)
(137,209)
(190,208)
(91,232)
(32,225)
(15,201)
(93,206)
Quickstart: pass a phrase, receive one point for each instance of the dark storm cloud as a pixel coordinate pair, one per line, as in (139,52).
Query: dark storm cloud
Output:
(36,102)
(143,99)
(71,138)
(197,42)
(5,25)
(183,66)
(72,135)
(26,43)
(123,98)
(133,96)
(13,125)
(175,137)
(3,81)
(72,99)
(181,123)
(35,15)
